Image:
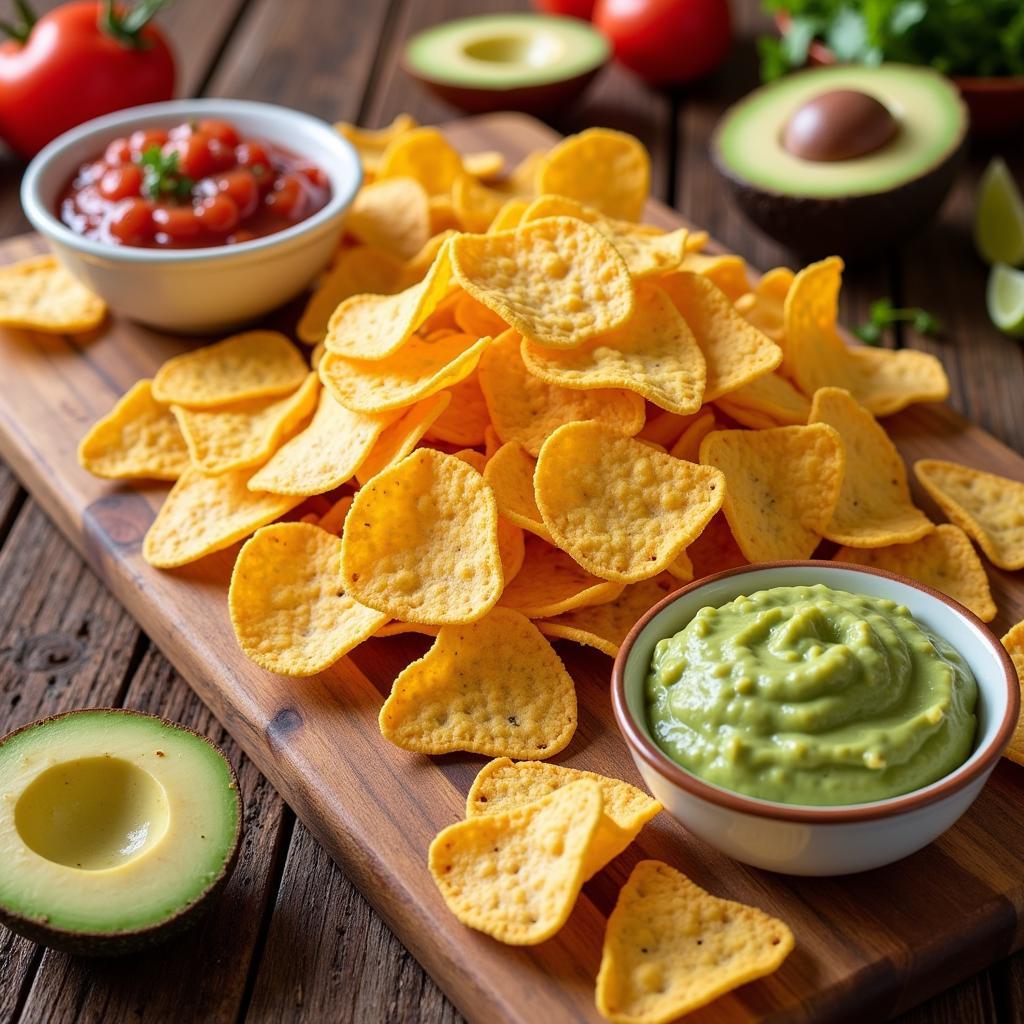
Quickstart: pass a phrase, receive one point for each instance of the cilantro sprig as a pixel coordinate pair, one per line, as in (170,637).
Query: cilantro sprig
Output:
(161,178)
(884,314)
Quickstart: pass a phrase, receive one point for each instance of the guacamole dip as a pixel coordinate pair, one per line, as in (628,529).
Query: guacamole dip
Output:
(807,695)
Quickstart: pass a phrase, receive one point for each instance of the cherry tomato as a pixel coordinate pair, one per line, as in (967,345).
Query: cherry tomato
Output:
(121,182)
(179,223)
(118,152)
(572,8)
(667,41)
(288,196)
(223,131)
(218,214)
(75,63)
(194,156)
(241,186)
(141,140)
(131,221)
(221,157)
(314,175)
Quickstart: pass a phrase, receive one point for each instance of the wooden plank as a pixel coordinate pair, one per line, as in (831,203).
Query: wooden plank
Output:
(867,946)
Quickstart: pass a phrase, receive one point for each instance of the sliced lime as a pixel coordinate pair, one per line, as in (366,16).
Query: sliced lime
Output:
(1005,299)
(999,216)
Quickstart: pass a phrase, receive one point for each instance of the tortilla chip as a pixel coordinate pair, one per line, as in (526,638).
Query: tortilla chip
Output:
(664,428)
(401,437)
(1014,644)
(688,445)
(715,550)
(620,509)
(333,520)
(39,294)
(768,401)
(511,547)
(371,143)
(393,215)
(509,471)
(763,307)
(987,507)
(475,204)
(509,216)
(423,154)
(476,319)
(781,487)
(726,271)
(485,164)
(466,417)
(493,687)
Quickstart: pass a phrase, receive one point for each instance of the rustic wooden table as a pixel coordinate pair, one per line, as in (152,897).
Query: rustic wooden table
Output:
(291,939)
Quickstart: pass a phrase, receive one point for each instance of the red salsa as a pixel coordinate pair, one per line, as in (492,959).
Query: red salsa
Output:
(197,184)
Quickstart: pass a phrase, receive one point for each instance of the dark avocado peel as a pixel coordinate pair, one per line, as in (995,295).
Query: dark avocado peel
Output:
(843,159)
(117,829)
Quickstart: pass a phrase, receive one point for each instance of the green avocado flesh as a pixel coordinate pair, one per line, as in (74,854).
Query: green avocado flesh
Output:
(932,121)
(814,696)
(111,822)
(507,51)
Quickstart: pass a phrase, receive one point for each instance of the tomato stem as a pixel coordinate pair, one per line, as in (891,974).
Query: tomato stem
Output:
(126,24)
(20,29)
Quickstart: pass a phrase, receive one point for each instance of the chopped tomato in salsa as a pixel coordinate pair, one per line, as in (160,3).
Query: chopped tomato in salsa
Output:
(197,184)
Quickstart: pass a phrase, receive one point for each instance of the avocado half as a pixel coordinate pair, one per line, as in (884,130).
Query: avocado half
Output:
(529,62)
(116,829)
(855,206)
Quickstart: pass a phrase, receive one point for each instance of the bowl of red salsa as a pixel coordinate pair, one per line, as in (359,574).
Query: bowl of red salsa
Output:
(194,215)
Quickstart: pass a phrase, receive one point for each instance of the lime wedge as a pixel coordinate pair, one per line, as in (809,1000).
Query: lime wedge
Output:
(1005,299)
(999,216)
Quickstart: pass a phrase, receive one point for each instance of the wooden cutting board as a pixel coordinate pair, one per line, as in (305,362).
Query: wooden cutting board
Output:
(867,946)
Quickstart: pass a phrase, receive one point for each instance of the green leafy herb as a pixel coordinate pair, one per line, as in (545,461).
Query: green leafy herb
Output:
(884,314)
(161,178)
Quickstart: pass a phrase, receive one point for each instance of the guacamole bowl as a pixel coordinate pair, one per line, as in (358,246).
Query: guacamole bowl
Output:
(806,839)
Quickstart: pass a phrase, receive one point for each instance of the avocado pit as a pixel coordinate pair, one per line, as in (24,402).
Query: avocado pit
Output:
(839,124)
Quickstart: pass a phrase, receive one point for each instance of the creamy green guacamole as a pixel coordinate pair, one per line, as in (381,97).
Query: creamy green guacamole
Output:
(808,695)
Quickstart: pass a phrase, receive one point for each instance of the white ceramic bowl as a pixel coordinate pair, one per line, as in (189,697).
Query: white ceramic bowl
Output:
(803,840)
(197,290)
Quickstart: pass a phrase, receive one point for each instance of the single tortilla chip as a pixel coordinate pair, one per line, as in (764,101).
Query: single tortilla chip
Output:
(664,428)
(605,626)
(420,369)
(423,154)
(503,784)
(396,628)
(515,875)
(549,582)
(376,326)
(557,280)
(393,215)
(986,507)
(688,445)
(671,948)
(605,169)
(726,271)
(371,143)
(255,364)
(509,216)
(764,306)
(524,408)
(203,514)
(874,508)
(475,204)
(768,401)
(324,455)
(421,542)
(415,269)
(1014,644)
(485,164)
(476,319)
(510,471)
(619,508)
(442,215)
(781,486)
(493,687)
(138,439)
(883,381)
(943,559)
(466,418)
(715,550)
(736,352)
(401,437)
(333,520)
(511,547)
(288,610)
(654,354)
(244,434)
(39,294)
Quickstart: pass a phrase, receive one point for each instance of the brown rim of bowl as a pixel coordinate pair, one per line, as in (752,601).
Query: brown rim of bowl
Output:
(958,779)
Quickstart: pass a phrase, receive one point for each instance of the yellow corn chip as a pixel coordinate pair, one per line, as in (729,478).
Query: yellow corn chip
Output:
(423,154)
(763,307)
(1014,644)
(503,784)
(316,355)
(558,281)
(680,568)
(781,486)
(396,628)
(526,409)
(476,319)
(138,439)
(768,401)
(475,459)
(393,215)
(371,143)
(943,559)
(509,471)
(620,509)
(333,520)
(421,369)
(715,550)
(664,428)
(605,626)
(509,216)
(256,364)
(550,582)
(874,507)
(377,326)
(736,353)
(883,381)
(421,542)
(516,875)
(485,164)
(654,354)
(671,948)
(324,455)
(987,507)
(244,434)
(287,607)
(688,445)
(414,269)
(402,436)
(696,241)
(466,417)
(443,216)
(608,170)
(726,271)
(203,514)
(474,203)
(492,687)
(38,294)
(511,547)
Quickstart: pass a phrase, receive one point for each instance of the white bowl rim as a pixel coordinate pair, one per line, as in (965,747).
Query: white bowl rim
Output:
(981,761)
(47,223)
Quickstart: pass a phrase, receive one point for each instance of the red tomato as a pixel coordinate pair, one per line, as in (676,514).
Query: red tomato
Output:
(223,131)
(131,221)
(218,214)
(288,197)
(121,181)
(194,156)
(177,222)
(242,188)
(573,8)
(70,66)
(667,41)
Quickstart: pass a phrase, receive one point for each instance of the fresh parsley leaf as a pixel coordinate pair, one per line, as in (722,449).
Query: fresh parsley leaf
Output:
(883,314)
(161,178)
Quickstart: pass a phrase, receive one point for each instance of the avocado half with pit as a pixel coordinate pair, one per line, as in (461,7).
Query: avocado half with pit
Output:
(843,159)
(116,829)
(529,62)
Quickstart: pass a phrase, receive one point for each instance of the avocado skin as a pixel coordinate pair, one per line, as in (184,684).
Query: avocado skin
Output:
(853,227)
(111,944)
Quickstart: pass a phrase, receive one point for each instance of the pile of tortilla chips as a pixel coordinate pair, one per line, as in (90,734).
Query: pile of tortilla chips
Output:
(528,416)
